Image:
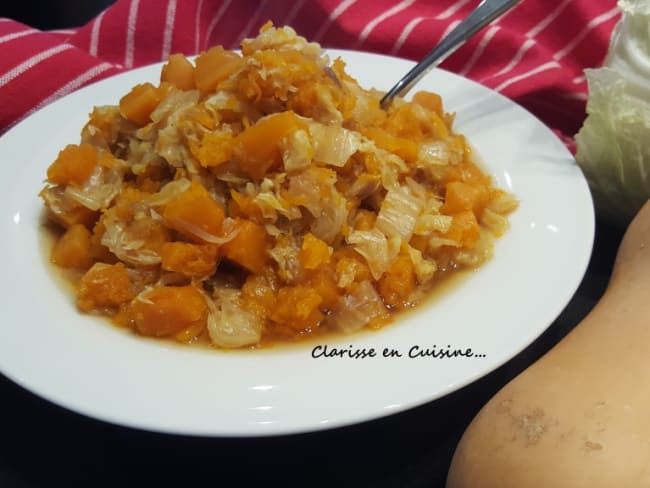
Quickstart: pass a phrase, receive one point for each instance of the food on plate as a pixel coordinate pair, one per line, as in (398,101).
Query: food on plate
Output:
(265,196)
(578,416)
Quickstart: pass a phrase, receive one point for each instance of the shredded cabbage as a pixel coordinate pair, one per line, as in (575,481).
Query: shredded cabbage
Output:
(230,325)
(612,144)
(356,309)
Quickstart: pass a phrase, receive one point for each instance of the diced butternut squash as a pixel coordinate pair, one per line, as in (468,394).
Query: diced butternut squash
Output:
(464,229)
(243,206)
(297,307)
(214,66)
(466,171)
(405,148)
(411,122)
(189,259)
(138,104)
(179,72)
(167,310)
(190,333)
(323,281)
(258,147)
(249,247)
(430,101)
(314,252)
(350,268)
(104,286)
(195,214)
(74,164)
(258,294)
(232,189)
(72,249)
(365,220)
(397,283)
(216,149)
(461,196)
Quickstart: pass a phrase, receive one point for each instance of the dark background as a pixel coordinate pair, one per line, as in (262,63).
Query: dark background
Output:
(52,14)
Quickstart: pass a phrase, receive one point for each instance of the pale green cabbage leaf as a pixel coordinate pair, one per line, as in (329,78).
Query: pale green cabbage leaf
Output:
(613,146)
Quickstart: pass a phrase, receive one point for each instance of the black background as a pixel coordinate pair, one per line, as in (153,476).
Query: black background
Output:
(52,14)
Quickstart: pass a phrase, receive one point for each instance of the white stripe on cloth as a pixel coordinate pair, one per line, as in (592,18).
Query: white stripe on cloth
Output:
(406,32)
(365,32)
(215,20)
(451,10)
(335,14)
(31,62)
(528,43)
(535,71)
(579,79)
(409,28)
(170,18)
(480,49)
(197,28)
(596,21)
(94,34)
(62,32)
(294,11)
(449,28)
(73,85)
(17,35)
(130,33)
(546,21)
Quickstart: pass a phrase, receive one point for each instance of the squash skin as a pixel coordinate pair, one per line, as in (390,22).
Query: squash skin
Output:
(580,416)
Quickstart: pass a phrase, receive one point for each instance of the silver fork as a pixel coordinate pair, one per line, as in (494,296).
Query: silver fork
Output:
(483,14)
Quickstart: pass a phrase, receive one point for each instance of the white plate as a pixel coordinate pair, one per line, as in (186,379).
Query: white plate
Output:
(85,365)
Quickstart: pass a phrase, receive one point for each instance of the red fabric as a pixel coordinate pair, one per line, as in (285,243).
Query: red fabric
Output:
(535,54)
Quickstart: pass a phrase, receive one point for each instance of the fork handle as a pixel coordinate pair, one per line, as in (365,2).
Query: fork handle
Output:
(486,12)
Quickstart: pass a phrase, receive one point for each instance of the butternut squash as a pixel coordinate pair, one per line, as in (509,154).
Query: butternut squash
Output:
(214,66)
(104,286)
(195,214)
(578,417)
(258,147)
(74,164)
(138,104)
(297,307)
(179,72)
(168,310)
(397,283)
(73,248)
(249,248)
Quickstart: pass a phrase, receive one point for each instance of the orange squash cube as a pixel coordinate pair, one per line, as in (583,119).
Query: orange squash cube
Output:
(104,286)
(214,66)
(74,164)
(258,146)
(72,249)
(179,72)
(138,104)
(189,259)
(194,213)
(249,248)
(168,310)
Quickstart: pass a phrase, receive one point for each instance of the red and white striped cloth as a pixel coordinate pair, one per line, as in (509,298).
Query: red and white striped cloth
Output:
(535,54)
